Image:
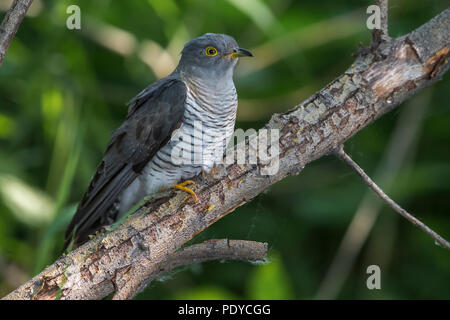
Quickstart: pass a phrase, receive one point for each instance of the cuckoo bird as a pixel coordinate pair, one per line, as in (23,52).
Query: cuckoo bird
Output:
(192,109)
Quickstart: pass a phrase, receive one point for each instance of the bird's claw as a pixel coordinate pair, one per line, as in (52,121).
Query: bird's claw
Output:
(182,186)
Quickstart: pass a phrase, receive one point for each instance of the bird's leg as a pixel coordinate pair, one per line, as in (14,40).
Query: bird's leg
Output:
(211,173)
(97,232)
(181,186)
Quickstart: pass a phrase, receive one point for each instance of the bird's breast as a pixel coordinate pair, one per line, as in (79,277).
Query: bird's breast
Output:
(200,141)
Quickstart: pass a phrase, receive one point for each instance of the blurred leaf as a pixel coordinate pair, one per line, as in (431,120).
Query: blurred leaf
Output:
(49,241)
(7,126)
(28,204)
(52,103)
(270,281)
(260,13)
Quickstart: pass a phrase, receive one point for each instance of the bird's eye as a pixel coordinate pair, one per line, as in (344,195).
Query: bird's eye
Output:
(211,51)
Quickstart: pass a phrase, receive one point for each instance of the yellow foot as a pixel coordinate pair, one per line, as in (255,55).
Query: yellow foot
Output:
(101,231)
(181,186)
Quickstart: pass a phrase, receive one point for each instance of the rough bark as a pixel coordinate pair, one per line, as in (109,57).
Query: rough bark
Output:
(384,11)
(221,249)
(11,23)
(380,78)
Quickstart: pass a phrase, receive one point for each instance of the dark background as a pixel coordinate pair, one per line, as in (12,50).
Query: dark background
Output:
(63,91)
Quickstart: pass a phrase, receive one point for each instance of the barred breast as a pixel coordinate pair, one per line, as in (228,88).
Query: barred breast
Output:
(197,145)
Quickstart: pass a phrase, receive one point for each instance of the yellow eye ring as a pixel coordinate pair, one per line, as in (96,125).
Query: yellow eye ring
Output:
(211,51)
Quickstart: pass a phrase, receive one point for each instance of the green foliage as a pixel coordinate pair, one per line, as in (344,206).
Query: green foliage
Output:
(63,91)
(270,281)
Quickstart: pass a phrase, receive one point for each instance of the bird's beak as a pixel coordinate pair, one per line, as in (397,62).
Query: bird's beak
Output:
(239,52)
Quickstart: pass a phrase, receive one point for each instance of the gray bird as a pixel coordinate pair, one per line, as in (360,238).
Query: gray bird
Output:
(198,102)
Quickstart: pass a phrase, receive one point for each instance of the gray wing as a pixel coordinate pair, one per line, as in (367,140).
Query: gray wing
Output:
(152,117)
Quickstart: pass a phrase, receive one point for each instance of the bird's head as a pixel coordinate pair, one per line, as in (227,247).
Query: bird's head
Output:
(211,56)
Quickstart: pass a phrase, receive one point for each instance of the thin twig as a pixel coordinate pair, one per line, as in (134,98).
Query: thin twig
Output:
(11,23)
(383,4)
(216,249)
(401,146)
(347,159)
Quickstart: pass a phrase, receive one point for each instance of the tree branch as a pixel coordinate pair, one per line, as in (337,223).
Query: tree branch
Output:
(348,160)
(374,85)
(220,249)
(383,4)
(11,24)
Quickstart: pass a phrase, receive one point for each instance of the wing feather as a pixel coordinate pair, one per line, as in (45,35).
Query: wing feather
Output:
(152,117)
